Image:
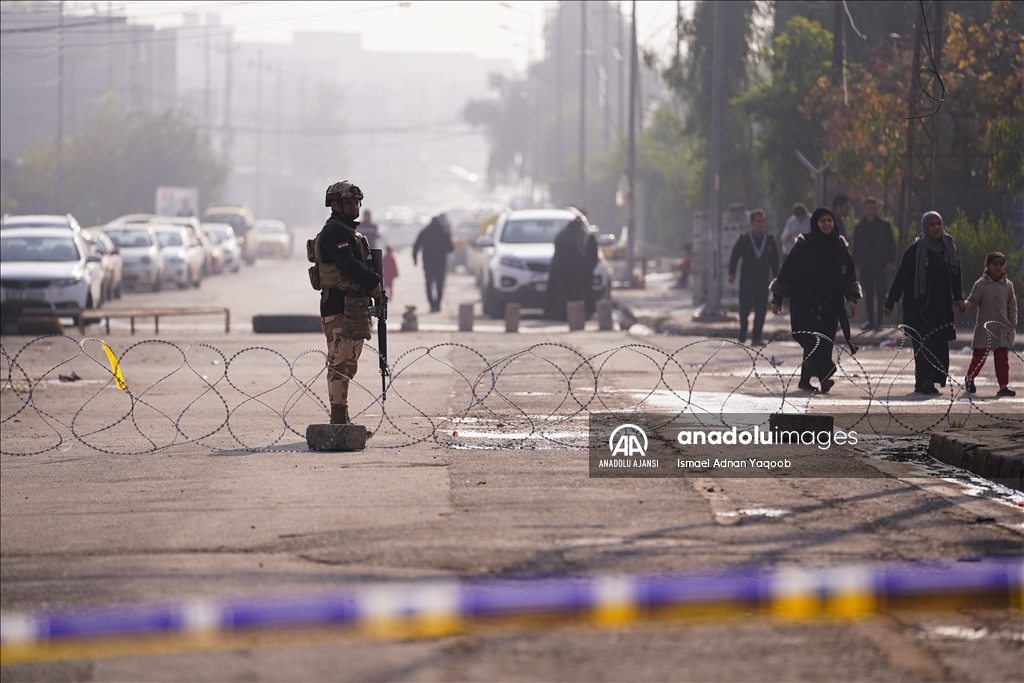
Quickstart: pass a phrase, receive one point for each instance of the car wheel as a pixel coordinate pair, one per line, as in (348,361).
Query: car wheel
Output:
(76,320)
(158,284)
(198,281)
(492,307)
(117,291)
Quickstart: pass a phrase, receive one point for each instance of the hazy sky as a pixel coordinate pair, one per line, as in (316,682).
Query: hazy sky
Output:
(485,28)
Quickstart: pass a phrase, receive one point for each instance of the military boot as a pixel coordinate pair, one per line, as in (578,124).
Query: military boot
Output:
(339,415)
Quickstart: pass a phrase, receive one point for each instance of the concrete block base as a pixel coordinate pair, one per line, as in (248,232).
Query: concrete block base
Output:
(604,315)
(465,317)
(347,437)
(512,315)
(576,314)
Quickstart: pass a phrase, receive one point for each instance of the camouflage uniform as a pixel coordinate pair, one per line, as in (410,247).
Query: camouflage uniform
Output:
(344,276)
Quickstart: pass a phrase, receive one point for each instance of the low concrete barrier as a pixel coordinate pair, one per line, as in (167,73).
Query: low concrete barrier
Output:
(284,324)
(513,313)
(996,455)
(576,313)
(465,317)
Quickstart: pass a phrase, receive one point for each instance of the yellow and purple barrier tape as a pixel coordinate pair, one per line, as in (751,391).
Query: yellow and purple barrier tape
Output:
(440,608)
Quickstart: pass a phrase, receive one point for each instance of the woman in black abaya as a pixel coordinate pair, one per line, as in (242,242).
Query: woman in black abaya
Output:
(929,282)
(819,278)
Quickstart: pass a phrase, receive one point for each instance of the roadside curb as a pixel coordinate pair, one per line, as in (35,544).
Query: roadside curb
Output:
(997,455)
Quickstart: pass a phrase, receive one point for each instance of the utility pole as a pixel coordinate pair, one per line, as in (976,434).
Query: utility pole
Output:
(228,135)
(583,105)
(259,132)
(837,44)
(605,110)
(559,185)
(631,162)
(59,185)
(110,45)
(206,82)
(622,68)
(713,308)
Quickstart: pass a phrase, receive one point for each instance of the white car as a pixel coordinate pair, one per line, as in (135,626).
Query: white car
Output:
(519,249)
(183,254)
(272,238)
(225,236)
(140,253)
(48,271)
(40,221)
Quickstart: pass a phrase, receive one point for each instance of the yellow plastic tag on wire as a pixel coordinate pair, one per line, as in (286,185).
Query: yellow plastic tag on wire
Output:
(115,368)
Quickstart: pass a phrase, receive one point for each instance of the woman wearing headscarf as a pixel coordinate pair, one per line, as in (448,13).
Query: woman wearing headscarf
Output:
(818,276)
(928,281)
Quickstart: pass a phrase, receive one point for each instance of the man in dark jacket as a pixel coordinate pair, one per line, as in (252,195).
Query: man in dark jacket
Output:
(760,258)
(874,252)
(435,241)
(840,209)
(346,280)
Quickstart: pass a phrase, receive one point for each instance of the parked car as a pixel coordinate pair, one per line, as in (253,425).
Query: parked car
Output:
(463,235)
(273,238)
(183,255)
(242,221)
(110,259)
(517,270)
(195,229)
(49,271)
(230,249)
(140,252)
(39,221)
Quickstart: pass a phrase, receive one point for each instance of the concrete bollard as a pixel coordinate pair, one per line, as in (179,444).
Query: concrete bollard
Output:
(576,314)
(512,311)
(604,315)
(331,437)
(465,317)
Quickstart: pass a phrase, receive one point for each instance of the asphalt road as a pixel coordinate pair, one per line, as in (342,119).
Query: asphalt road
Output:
(84,527)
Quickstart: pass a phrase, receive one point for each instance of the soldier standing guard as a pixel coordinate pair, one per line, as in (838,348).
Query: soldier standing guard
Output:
(343,273)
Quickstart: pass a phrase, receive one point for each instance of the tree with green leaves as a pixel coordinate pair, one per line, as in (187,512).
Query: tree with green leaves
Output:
(798,58)
(690,80)
(115,167)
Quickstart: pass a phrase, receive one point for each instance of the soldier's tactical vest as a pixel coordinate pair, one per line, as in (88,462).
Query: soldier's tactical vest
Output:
(323,274)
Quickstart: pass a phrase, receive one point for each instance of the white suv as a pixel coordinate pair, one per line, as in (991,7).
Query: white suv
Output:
(519,248)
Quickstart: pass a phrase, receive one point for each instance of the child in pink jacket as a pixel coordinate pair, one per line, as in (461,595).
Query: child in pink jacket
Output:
(992,296)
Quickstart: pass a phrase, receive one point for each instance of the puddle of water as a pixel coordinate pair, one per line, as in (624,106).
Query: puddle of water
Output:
(764,512)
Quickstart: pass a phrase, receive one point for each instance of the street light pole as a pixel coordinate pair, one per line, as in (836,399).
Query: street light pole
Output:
(631,163)
(714,303)
(583,105)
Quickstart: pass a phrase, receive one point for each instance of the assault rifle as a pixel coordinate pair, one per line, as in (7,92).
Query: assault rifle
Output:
(380,311)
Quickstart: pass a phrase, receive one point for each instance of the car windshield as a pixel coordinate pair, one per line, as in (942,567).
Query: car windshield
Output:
(169,239)
(220,233)
(270,230)
(533,231)
(38,249)
(130,238)
(234,220)
(98,246)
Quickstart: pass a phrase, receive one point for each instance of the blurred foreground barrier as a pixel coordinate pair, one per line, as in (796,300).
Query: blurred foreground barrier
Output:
(442,608)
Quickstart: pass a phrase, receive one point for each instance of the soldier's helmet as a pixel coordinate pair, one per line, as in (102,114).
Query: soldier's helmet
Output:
(342,190)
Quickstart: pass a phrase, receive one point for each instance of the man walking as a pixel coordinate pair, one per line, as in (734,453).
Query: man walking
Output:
(343,273)
(435,241)
(874,253)
(369,229)
(760,257)
(841,209)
